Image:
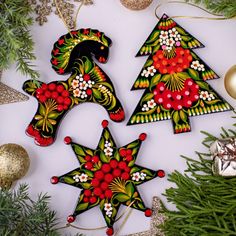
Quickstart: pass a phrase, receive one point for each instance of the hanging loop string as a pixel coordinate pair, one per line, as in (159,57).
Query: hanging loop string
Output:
(219,17)
(102,227)
(63,18)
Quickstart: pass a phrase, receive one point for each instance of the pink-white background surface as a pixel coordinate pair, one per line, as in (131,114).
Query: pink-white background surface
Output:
(162,149)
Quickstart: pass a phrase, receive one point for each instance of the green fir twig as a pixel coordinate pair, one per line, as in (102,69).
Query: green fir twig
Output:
(206,204)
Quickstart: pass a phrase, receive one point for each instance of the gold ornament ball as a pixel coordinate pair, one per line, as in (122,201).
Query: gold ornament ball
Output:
(136,4)
(230,81)
(14,164)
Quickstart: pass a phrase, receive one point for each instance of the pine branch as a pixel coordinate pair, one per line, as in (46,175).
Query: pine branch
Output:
(16,44)
(226,8)
(205,203)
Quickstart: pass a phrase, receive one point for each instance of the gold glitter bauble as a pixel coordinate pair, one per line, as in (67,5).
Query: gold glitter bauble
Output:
(230,81)
(136,4)
(14,164)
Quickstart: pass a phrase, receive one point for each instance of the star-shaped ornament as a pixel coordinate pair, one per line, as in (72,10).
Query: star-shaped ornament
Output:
(156,220)
(108,177)
(10,95)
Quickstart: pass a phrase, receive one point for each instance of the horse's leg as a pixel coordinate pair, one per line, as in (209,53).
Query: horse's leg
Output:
(43,126)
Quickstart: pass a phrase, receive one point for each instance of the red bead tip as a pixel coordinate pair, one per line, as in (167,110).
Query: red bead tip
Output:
(54,180)
(105,123)
(67,140)
(161,173)
(71,219)
(148,212)
(142,136)
(109,231)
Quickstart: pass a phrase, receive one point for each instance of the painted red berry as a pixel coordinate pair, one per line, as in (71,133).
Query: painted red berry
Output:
(104,185)
(113,163)
(102,196)
(108,178)
(71,219)
(52,86)
(85,199)
(93,200)
(89,92)
(88,158)
(106,168)
(65,107)
(48,94)
(95,159)
(95,183)
(88,165)
(87,192)
(122,165)
(116,173)
(86,77)
(110,231)
(60,88)
(108,193)
(39,91)
(129,151)
(105,123)
(60,100)
(122,152)
(142,136)
(67,140)
(97,191)
(67,101)
(127,169)
(54,180)
(60,108)
(65,93)
(55,95)
(99,174)
(44,87)
(148,212)
(161,173)
(129,158)
(42,98)
(125,176)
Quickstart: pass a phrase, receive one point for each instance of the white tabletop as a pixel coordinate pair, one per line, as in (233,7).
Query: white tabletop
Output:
(162,149)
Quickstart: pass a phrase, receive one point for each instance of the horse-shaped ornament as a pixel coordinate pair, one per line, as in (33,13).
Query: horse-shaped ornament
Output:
(72,53)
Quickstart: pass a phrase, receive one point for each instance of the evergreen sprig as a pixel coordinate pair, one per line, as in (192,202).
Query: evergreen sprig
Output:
(16,44)
(21,216)
(206,204)
(225,8)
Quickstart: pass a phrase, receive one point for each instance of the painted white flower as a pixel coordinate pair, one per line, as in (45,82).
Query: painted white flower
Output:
(83,177)
(204,95)
(145,107)
(151,104)
(197,66)
(151,70)
(75,83)
(108,150)
(142,176)
(83,95)
(83,85)
(164,35)
(76,93)
(145,73)
(76,178)
(136,176)
(107,207)
(109,213)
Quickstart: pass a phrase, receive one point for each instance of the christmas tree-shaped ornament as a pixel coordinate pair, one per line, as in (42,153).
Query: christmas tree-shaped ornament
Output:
(174,79)
(73,54)
(108,177)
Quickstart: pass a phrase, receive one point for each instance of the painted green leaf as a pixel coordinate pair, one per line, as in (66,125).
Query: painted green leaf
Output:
(153,37)
(149,62)
(97,94)
(82,207)
(79,150)
(42,109)
(212,102)
(53,115)
(39,123)
(183,44)
(193,74)
(147,97)
(183,75)
(106,134)
(88,173)
(121,197)
(134,170)
(104,158)
(156,48)
(186,38)
(68,180)
(148,172)
(89,152)
(116,155)
(86,185)
(155,80)
(88,66)
(183,116)
(130,189)
(102,143)
(133,144)
(203,85)
(165,78)
(181,31)
(175,117)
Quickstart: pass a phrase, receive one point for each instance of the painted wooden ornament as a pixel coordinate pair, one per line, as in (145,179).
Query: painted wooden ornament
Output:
(108,177)
(174,79)
(14,164)
(230,81)
(73,53)
(136,4)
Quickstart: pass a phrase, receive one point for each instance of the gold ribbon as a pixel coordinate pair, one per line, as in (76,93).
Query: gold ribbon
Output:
(219,17)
